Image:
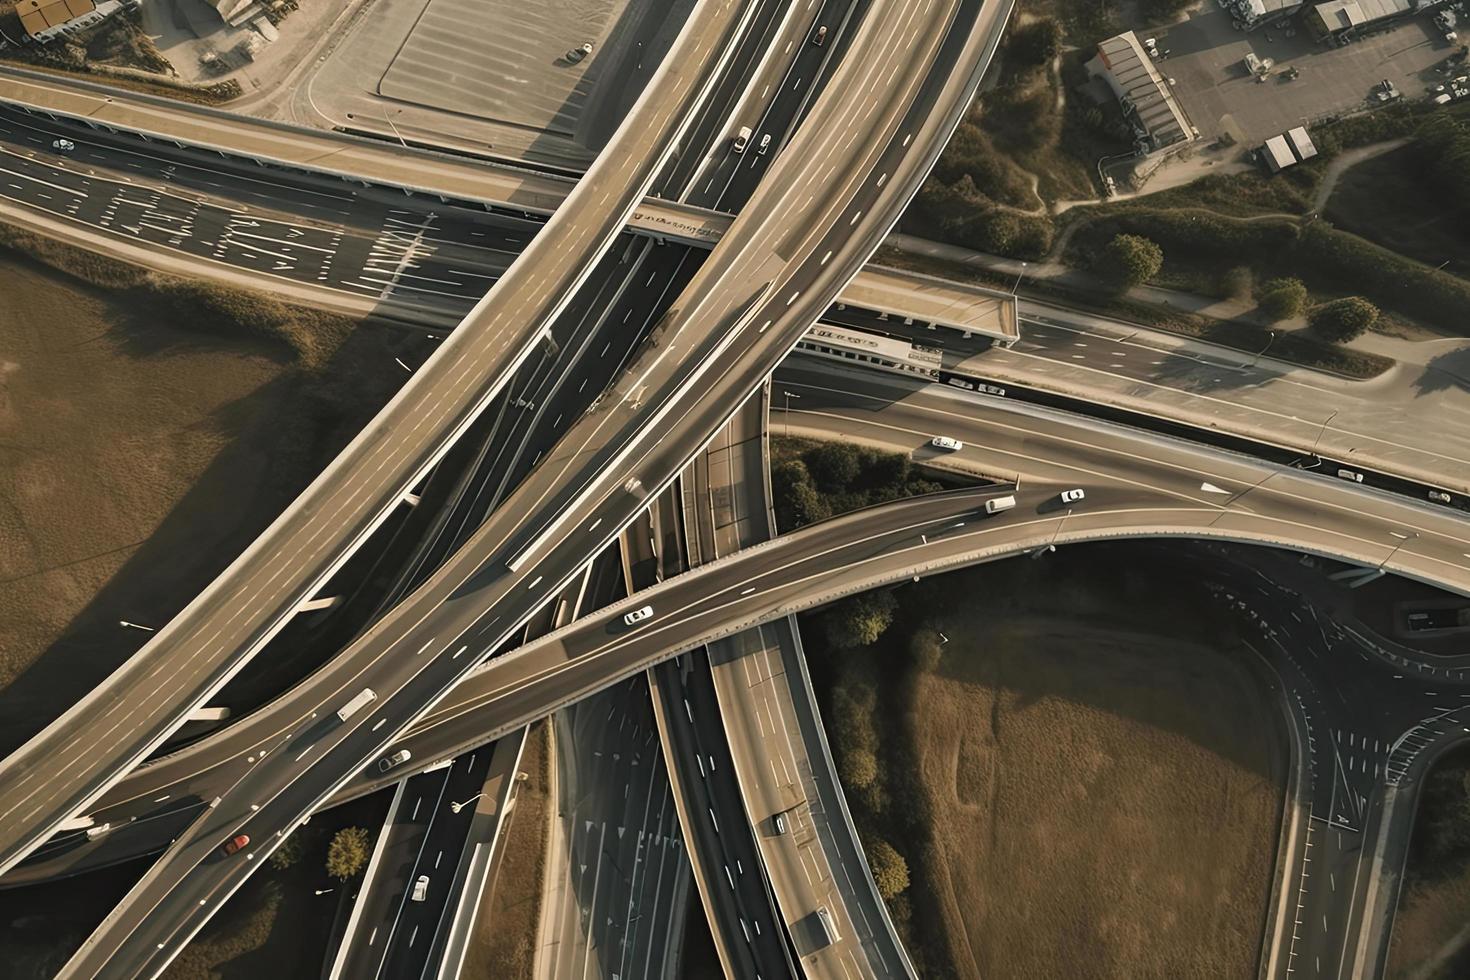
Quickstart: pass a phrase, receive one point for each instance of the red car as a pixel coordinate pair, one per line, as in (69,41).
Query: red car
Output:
(234,844)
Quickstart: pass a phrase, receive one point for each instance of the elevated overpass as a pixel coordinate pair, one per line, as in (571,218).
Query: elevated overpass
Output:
(488,183)
(904,83)
(1152,485)
(67,765)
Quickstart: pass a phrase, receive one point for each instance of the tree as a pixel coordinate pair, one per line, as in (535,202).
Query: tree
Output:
(1284,298)
(890,870)
(858,768)
(797,500)
(1343,319)
(348,852)
(292,849)
(1128,260)
(860,620)
(834,465)
(926,649)
(1036,43)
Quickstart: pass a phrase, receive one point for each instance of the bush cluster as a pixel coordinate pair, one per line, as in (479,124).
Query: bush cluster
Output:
(1325,259)
(835,477)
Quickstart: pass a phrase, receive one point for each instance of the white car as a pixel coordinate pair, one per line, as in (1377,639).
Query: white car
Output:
(1440,497)
(396,759)
(947,444)
(63,145)
(1352,475)
(578,53)
(637,616)
(1072,496)
(421,888)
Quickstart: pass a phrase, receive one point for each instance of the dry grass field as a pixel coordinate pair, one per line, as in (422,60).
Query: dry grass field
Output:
(139,453)
(1085,780)
(504,941)
(1089,820)
(1431,932)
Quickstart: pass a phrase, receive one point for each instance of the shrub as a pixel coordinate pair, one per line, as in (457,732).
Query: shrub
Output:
(1282,299)
(1036,43)
(925,649)
(348,852)
(834,465)
(292,849)
(859,620)
(1343,319)
(1128,261)
(858,768)
(890,870)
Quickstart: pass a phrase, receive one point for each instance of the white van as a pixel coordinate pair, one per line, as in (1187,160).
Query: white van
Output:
(421,888)
(997,504)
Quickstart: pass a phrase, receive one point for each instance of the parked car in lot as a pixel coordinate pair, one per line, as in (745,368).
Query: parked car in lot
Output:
(235,844)
(580,52)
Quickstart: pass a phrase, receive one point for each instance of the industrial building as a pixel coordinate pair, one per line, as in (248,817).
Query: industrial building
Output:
(1146,96)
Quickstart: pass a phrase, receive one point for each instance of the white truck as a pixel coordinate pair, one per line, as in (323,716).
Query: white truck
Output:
(359,701)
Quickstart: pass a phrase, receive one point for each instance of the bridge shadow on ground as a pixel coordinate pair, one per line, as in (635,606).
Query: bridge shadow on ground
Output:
(275,440)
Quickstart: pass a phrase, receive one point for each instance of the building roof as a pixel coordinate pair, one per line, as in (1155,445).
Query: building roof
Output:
(1266,8)
(1339,15)
(1302,143)
(41,15)
(1278,152)
(1145,90)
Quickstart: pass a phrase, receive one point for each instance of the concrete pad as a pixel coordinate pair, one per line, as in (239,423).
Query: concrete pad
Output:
(1207,64)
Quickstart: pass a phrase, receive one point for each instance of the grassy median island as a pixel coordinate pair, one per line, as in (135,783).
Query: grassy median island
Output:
(150,428)
(1431,932)
(1071,763)
(503,944)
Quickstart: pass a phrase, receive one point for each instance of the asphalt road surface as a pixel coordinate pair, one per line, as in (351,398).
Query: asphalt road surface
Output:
(73,760)
(903,112)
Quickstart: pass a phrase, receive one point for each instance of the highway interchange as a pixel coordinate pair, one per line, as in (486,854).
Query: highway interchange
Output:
(906,76)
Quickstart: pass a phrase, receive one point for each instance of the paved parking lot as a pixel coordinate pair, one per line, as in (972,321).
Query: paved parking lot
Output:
(1207,63)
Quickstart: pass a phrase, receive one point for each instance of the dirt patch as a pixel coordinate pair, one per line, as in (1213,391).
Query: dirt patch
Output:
(504,941)
(1085,778)
(140,452)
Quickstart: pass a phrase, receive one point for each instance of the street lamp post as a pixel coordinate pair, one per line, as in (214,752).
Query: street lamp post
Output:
(1403,540)
(389,120)
(786,410)
(1269,341)
(456,807)
(1019,276)
(136,626)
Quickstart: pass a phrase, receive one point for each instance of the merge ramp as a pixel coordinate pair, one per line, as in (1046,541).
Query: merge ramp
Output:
(70,763)
(936,53)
